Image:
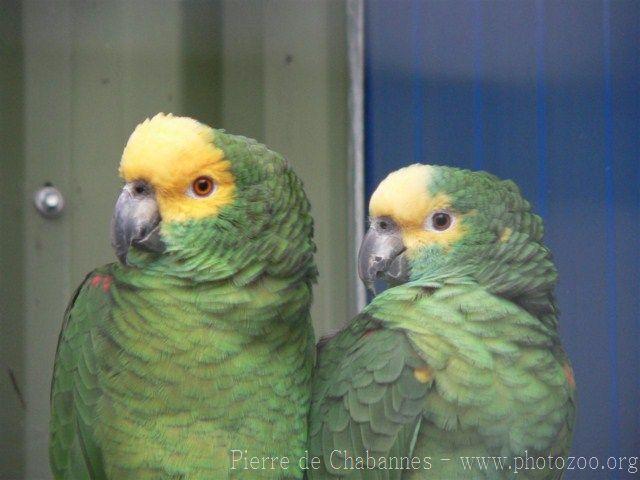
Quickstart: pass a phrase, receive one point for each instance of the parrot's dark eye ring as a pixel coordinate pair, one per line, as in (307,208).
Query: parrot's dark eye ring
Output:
(440,221)
(202,187)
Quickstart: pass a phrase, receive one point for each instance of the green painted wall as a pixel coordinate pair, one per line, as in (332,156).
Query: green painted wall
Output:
(274,70)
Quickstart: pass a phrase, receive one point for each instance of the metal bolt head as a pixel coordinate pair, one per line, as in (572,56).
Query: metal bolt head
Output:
(49,201)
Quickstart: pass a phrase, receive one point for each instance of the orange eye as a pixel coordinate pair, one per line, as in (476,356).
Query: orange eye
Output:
(203,186)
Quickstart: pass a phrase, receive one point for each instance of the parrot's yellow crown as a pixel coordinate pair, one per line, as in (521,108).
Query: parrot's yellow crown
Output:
(170,153)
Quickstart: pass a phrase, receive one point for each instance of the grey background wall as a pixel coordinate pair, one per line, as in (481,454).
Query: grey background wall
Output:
(75,78)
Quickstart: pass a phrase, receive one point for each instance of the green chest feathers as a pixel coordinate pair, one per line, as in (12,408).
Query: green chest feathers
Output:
(190,376)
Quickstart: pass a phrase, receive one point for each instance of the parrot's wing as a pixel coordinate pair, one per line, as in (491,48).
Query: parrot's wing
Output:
(368,396)
(373,382)
(75,388)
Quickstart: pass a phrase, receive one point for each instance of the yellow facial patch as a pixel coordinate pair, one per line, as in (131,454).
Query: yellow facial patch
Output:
(404,197)
(170,153)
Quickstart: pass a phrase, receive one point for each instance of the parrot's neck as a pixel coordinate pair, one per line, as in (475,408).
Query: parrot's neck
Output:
(532,294)
(528,282)
(527,277)
(249,309)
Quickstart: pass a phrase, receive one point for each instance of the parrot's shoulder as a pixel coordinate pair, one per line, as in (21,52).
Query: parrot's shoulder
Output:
(90,298)
(99,280)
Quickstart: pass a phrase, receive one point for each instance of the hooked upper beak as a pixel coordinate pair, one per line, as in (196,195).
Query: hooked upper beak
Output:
(381,255)
(136,221)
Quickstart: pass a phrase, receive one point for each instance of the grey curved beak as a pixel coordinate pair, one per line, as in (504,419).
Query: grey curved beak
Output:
(381,255)
(136,221)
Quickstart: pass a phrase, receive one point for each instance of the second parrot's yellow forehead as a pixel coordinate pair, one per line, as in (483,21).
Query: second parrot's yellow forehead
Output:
(405,197)
(170,153)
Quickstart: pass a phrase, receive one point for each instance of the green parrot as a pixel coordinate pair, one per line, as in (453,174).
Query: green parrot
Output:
(456,371)
(195,352)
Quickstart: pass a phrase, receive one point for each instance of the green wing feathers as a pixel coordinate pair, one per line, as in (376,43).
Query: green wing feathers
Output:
(75,389)
(366,397)
(441,371)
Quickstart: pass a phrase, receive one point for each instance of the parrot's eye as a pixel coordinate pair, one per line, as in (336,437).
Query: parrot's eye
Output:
(439,221)
(139,188)
(202,187)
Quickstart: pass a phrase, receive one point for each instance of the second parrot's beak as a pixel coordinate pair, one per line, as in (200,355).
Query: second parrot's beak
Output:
(381,255)
(136,221)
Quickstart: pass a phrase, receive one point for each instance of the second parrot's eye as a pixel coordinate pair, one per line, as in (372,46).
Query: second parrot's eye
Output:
(139,188)
(439,221)
(384,224)
(202,187)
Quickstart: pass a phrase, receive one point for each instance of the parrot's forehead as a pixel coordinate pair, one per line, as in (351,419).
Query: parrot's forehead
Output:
(170,153)
(404,195)
(165,146)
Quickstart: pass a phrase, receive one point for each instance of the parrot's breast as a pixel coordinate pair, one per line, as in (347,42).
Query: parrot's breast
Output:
(194,374)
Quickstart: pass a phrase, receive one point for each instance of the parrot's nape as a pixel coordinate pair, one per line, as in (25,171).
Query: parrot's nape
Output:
(199,342)
(457,371)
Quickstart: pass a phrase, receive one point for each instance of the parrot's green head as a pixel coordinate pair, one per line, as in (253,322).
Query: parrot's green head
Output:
(433,222)
(202,204)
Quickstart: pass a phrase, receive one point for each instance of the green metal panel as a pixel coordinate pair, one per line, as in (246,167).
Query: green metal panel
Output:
(243,65)
(273,70)
(201,57)
(305,111)
(11,243)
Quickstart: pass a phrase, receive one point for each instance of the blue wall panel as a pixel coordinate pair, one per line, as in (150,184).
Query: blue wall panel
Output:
(547,94)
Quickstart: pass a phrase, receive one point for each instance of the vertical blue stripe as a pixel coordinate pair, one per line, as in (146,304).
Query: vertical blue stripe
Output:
(610,234)
(541,112)
(418,88)
(478,98)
